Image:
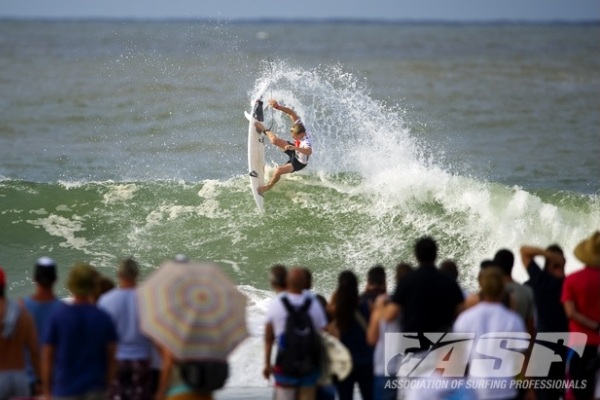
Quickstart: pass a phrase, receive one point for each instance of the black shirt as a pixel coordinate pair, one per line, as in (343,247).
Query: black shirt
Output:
(547,290)
(428,299)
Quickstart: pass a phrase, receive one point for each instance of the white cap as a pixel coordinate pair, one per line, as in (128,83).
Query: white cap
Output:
(181,258)
(45,262)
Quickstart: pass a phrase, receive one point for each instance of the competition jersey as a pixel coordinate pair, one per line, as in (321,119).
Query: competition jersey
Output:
(305,143)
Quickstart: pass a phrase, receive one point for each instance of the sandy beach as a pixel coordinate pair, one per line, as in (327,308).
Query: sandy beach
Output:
(244,393)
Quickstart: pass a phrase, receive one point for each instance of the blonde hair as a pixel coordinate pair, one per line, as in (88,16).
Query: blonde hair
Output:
(298,128)
(82,279)
(491,281)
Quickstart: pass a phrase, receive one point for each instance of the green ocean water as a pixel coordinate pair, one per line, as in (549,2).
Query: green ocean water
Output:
(129,139)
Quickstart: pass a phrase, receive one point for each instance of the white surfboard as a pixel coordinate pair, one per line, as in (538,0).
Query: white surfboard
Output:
(338,360)
(256,148)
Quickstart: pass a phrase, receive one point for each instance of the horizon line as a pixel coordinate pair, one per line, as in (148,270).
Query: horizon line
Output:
(388,21)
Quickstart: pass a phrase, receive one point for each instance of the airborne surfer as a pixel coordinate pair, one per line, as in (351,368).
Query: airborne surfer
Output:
(298,151)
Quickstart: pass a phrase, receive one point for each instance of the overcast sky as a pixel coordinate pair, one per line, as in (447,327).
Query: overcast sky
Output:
(447,10)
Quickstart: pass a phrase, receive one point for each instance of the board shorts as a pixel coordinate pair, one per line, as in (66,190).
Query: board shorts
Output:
(283,380)
(296,165)
(133,380)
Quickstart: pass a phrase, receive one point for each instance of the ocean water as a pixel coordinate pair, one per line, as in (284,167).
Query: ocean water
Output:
(123,138)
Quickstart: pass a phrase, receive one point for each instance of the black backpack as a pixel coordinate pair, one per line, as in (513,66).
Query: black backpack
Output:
(300,349)
(204,376)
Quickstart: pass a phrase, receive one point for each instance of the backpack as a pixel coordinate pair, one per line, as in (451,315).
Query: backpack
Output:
(299,353)
(204,376)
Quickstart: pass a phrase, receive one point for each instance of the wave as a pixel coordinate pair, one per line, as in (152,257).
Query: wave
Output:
(371,189)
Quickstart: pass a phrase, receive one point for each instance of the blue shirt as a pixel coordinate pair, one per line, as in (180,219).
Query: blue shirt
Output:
(80,335)
(40,312)
(121,305)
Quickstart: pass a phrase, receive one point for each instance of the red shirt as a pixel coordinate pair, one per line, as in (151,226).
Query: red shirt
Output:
(583,289)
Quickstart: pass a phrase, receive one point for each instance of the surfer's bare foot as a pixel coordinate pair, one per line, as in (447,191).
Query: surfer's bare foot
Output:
(259,127)
(262,189)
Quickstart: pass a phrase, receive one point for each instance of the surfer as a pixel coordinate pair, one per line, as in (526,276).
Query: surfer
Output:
(298,151)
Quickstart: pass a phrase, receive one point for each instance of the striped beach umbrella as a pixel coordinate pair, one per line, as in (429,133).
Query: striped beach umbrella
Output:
(193,309)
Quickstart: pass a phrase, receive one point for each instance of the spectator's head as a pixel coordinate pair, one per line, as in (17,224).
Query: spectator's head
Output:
(426,250)
(278,277)
(181,258)
(347,281)
(102,285)
(556,268)
(44,272)
(491,282)
(486,263)
(402,269)
(2,283)
(450,268)
(128,270)
(505,259)
(307,278)
(81,281)
(588,250)
(376,279)
(296,280)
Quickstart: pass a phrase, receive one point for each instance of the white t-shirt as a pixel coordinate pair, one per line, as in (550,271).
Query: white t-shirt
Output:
(486,317)
(277,314)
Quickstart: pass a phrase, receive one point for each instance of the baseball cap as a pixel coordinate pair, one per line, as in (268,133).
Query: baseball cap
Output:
(45,271)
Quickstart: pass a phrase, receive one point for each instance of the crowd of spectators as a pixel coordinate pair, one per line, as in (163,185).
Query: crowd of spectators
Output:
(91,347)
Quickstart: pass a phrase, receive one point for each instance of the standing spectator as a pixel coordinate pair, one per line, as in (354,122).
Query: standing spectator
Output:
(547,285)
(40,305)
(308,286)
(17,334)
(79,344)
(449,267)
(133,380)
(489,316)
(378,327)
(325,389)
(430,299)
(547,288)
(102,285)
(278,277)
(521,295)
(581,301)
(287,386)
(376,285)
(474,298)
(349,324)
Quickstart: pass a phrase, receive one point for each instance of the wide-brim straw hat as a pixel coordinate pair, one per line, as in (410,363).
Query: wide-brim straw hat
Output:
(588,251)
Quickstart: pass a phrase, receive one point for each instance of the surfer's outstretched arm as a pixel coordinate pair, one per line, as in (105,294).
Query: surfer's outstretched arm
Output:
(291,113)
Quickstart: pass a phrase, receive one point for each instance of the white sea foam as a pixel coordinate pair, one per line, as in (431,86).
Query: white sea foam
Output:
(119,193)
(247,361)
(65,228)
